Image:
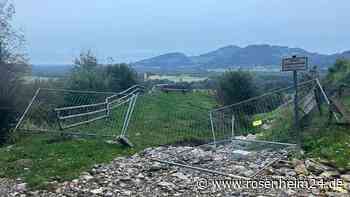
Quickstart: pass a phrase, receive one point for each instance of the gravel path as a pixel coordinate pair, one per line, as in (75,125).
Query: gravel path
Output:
(139,176)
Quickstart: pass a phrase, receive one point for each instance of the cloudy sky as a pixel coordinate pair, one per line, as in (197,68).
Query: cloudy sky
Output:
(129,30)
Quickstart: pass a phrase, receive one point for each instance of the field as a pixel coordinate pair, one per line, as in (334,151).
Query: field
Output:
(177,78)
(31,79)
(171,118)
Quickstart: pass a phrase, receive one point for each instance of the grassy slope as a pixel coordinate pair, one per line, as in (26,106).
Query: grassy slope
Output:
(346,102)
(60,160)
(319,139)
(55,158)
(170,118)
(333,142)
(330,142)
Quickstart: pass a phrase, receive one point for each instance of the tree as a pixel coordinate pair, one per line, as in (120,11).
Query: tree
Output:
(120,77)
(13,65)
(235,86)
(339,73)
(87,74)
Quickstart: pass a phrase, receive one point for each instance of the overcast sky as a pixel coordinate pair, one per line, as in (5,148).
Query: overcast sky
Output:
(129,30)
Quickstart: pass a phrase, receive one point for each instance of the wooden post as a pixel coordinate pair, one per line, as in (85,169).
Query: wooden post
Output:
(315,76)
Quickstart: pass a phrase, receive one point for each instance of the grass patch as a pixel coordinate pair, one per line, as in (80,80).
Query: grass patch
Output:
(171,118)
(280,125)
(49,159)
(332,143)
(346,102)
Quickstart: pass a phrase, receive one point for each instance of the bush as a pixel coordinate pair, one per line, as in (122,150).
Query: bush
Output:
(339,73)
(89,75)
(10,103)
(235,86)
(120,77)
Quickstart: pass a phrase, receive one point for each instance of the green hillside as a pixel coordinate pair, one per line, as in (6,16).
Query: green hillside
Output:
(332,141)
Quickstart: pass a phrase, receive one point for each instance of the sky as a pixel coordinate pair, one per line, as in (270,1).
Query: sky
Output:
(129,30)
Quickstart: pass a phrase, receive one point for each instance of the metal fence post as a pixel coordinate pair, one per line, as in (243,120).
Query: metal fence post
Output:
(233,126)
(26,110)
(129,113)
(108,107)
(126,116)
(323,92)
(296,111)
(212,126)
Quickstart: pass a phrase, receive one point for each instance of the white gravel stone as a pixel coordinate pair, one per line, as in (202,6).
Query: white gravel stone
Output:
(140,176)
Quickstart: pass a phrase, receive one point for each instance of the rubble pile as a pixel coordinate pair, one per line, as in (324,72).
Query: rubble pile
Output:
(139,175)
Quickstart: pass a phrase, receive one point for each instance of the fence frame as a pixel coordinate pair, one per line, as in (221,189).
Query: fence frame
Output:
(215,142)
(129,95)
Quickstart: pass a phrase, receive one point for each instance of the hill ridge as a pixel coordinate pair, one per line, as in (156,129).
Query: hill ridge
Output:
(235,56)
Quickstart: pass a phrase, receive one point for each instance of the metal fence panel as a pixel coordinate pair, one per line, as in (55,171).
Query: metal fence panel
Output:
(84,113)
(246,137)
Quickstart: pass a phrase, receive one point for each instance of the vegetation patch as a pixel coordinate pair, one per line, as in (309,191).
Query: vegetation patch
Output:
(332,143)
(39,160)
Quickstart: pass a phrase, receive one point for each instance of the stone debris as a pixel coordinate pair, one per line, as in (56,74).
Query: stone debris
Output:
(86,176)
(139,175)
(315,166)
(237,158)
(22,187)
(300,169)
(329,174)
(345,177)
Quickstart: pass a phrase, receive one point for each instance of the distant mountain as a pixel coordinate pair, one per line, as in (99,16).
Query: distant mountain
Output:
(345,55)
(166,61)
(234,56)
(222,56)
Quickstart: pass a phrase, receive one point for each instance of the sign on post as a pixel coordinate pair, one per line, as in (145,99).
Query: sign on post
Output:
(294,63)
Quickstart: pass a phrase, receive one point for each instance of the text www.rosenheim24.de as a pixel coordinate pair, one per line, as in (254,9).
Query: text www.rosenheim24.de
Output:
(256,184)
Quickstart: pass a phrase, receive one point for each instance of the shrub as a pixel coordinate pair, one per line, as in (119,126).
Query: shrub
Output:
(235,86)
